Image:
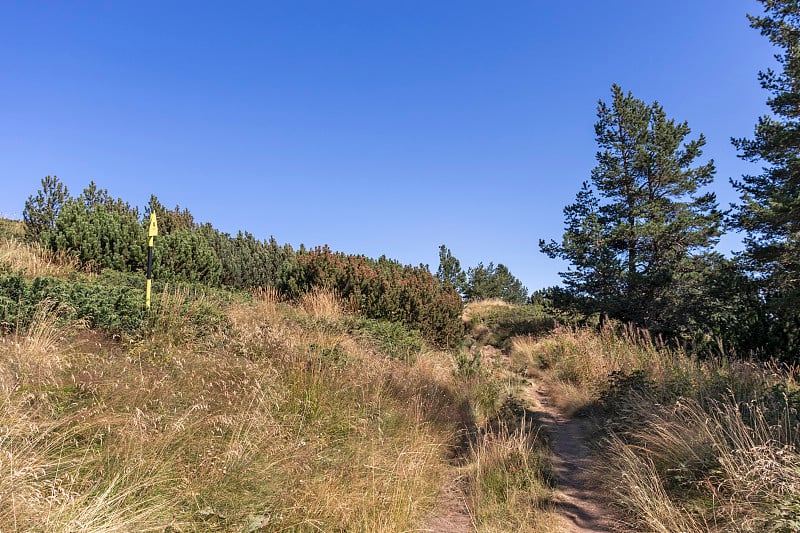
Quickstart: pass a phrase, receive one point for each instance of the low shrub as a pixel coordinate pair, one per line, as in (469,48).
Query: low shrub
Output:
(392,338)
(109,302)
(382,289)
(115,309)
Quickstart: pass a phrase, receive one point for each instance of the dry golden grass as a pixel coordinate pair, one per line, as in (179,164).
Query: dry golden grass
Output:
(180,316)
(35,260)
(481,307)
(745,462)
(266,295)
(275,421)
(639,490)
(508,482)
(322,303)
(576,362)
(35,355)
(51,463)
(692,445)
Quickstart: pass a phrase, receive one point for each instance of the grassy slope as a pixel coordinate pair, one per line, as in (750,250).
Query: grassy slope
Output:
(283,419)
(683,444)
(244,413)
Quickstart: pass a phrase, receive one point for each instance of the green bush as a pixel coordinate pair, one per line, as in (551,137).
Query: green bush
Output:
(382,289)
(114,302)
(185,255)
(169,220)
(116,309)
(247,262)
(40,211)
(104,233)
(100,232)
(468,363)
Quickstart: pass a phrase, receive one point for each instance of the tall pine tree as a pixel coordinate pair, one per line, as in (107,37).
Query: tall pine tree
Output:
(769,211)
(639,235)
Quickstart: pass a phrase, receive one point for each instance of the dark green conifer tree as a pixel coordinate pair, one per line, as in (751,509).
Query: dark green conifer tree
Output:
(102,232)
(492,281)
(41,211)
(640,233)
(185,255)
(450,271)
(769,211)
(169,220)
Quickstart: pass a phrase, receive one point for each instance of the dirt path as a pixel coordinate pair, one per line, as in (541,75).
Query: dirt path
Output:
(451,514)
(578,503)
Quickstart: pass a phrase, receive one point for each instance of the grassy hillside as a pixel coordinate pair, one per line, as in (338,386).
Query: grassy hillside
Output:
(229,411)
(224,410)
(679,443)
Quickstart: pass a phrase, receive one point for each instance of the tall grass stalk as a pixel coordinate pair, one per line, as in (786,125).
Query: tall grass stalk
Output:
(509,481)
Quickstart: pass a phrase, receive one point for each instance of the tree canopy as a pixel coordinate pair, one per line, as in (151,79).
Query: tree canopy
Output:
(769,208)
(640,232)
(484,282)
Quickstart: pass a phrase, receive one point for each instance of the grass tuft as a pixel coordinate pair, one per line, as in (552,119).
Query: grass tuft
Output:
(510,486)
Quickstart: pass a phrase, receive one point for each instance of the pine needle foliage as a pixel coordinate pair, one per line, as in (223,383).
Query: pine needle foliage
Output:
(769,211)
(640,233)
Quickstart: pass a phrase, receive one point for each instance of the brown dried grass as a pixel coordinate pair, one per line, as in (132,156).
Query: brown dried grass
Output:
(269,423)
(35,260)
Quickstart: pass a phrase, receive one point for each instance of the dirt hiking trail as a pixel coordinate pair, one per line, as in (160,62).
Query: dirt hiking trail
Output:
(577,501)
(451,515)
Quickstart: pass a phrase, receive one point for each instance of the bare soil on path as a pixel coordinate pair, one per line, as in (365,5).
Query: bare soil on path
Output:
(452,515)
(579,504)
(578,501)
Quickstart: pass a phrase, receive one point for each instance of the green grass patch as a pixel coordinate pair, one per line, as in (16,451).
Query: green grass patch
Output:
(392,338)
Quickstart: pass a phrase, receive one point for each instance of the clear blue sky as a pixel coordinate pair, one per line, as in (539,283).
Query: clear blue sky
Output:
(375,127)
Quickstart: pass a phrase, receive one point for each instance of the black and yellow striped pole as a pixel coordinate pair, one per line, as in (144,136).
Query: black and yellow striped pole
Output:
(152,232)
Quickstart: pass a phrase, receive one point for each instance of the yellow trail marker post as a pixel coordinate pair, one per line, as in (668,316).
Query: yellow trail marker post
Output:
(152,232)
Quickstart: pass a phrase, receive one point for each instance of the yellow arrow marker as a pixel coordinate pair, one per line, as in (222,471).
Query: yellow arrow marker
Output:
(151,233)
(153,230)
